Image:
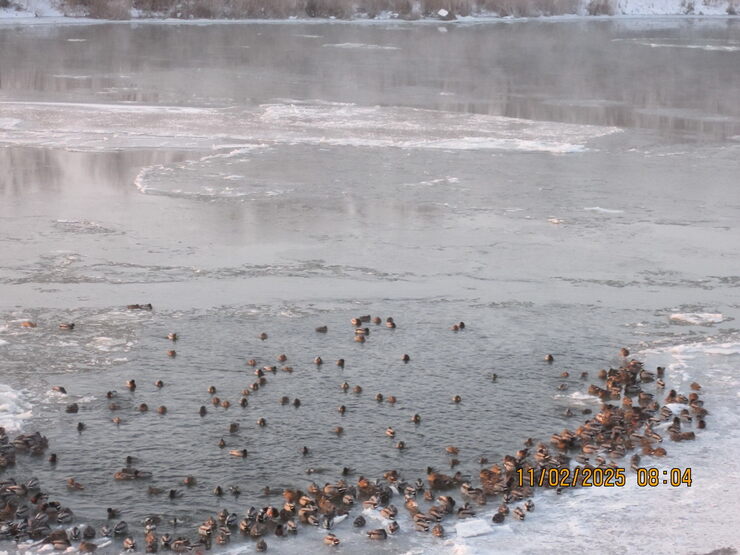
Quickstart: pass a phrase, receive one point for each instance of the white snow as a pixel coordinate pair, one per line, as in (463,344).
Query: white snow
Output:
(30,8)
(697,318)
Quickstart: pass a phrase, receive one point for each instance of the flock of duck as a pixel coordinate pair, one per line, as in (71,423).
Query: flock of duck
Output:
(626,423)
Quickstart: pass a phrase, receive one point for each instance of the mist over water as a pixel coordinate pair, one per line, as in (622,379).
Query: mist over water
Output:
(562,187)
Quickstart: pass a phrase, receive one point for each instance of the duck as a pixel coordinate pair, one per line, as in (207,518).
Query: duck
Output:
(390,432)
(360,339)
(389,323)
(416,419)
(262,336)
(285,400)
(225,404)
(74,485)
(456,399)
(221,443)
(261,422)
(340,363)
(338,430)
(331,539)
(357,389)
(131,384)
(318,361)
(379,397)
(401,445)
(405,358)
(465,511)
(624,352)
(391,399)
(296,403)
(202,411)
(238,453)
(377,534)
(342,409)
(28,324)
(67,326)
(172,336)
(282,357)
(162,410)
(549,358)
(322,329)
(171,353)
(243,402)
(344,386)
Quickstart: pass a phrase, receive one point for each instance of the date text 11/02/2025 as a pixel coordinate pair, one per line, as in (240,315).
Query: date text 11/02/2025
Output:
(584,476)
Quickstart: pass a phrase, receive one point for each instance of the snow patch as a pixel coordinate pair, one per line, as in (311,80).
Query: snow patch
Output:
(697,318)
(14,408)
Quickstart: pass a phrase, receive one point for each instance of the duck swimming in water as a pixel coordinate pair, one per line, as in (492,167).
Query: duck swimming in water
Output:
(74,484)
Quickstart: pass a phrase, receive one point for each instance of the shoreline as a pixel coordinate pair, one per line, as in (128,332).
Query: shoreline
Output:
(30,20)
